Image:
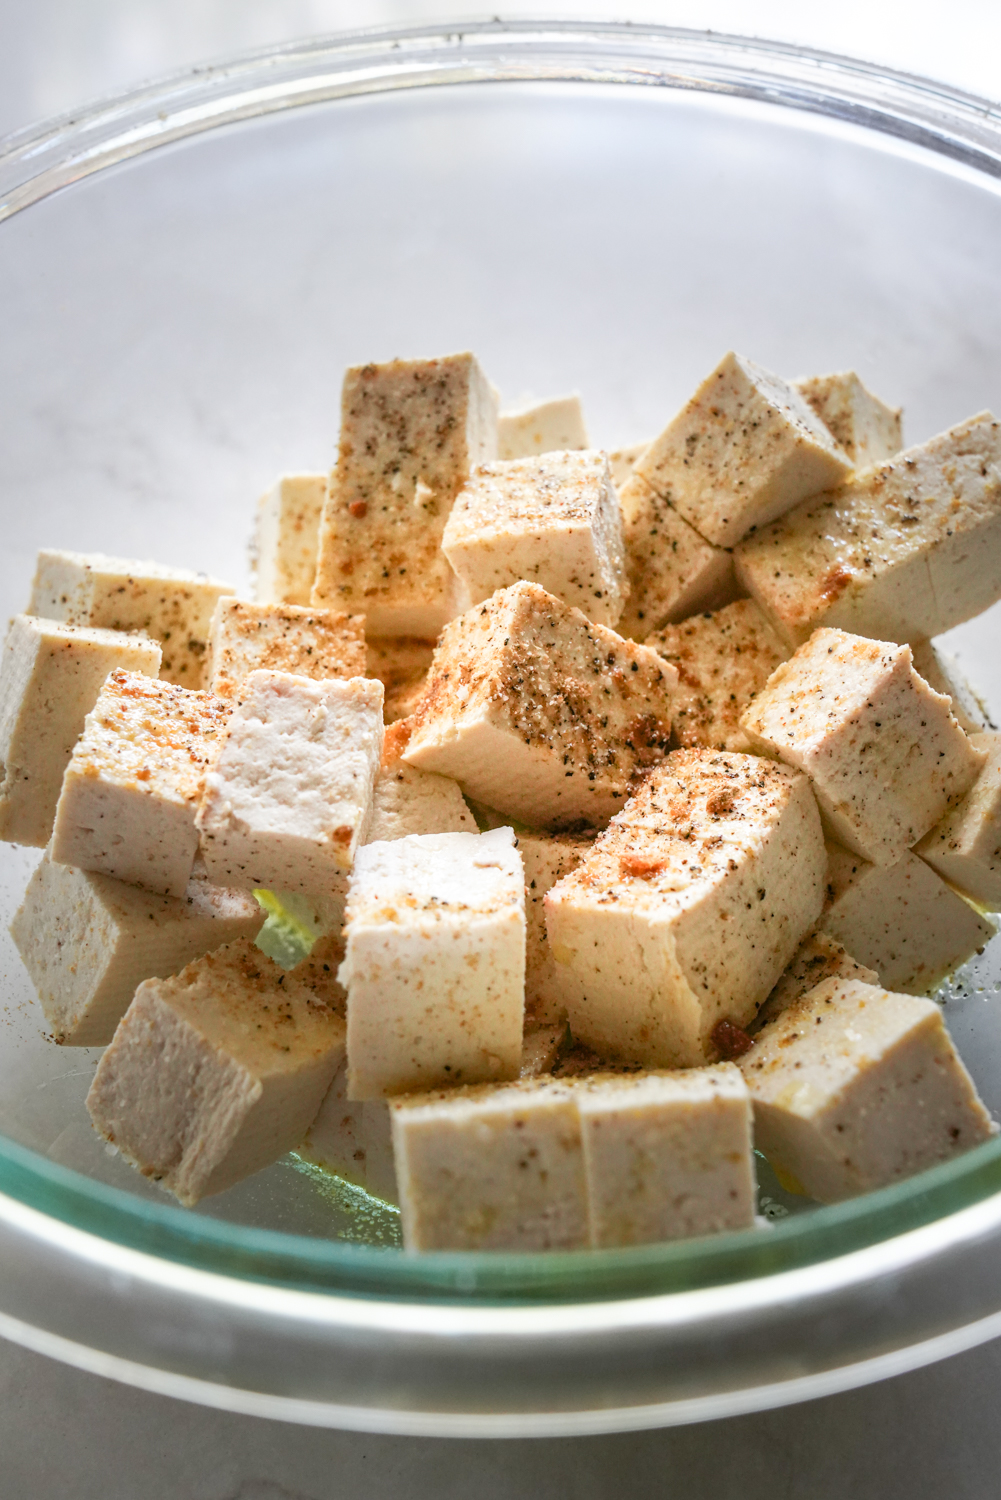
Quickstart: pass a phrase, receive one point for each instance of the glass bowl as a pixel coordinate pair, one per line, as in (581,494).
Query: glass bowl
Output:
(186,271)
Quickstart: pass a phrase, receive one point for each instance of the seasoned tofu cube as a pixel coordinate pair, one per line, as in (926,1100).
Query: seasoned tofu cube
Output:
(820,957)
(287,538)
(540,714)
(905,922)
(667,1155)
(622,460)
(745,449)
(435,965)
(902,552)
(406,800)
(941,671)
(884,754)
(289,793)
(130,793)
(247,638)
(542,1047)
(215,1072)
(87,941)
(542,427)
(549,987)
(50,678)
(689,906)
(855,1087)
(170,604)
(723,661)
(401,664)
(965,848)
(411,433)
(862,426)
(672,571)
(553,520)
(352,1138)
(491,1168)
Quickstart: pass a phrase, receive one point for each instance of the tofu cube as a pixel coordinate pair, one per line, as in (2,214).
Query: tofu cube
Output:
(941,671)
(862,426)
(723,660)
(542,427)
(855,1087)
(905,922)
(411,433)
(352,1139)
(245,638)
(50,678)
(407,801)
(550,988)
(553,520)
(287,538)
(172,605)
(745,449)
(689,906)
(965,848)
(288,796)
(130,793)
(672,572)
(884,754)
(88,941)
(435,965)
(401,664)
(215,1072)
(667,1156)
(902,552)
(622,460)
(540,714)
(820,957)
(491,1168)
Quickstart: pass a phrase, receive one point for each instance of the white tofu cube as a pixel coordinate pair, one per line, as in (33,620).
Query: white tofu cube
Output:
(411,433)
(352,1138)
(542,427)
(88,941)
(550,988)
(435,965)
(401,664)
(820,957)
(884,754)
(745,449)
(172,605)
(862,426)
(287,538)
(491,1168)
(902,552)
(407,801)
(965,848)
(905,922)
(855,1088)
(622,460)
(540,714)
(50,678)
(130,793)
(553,520)
(689,906)
(215,1072)
(941,671)
(667,1155)
(289,793)
(245,638)
(723,661)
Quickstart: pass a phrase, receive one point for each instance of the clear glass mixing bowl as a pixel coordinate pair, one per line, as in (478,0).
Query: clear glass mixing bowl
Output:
(185,273)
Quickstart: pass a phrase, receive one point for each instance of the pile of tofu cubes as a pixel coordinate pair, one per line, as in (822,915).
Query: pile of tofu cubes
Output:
(627,810)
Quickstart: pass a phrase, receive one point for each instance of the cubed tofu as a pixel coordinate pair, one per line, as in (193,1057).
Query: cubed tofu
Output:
(131,790)
(941,671)
(820,957)
(549,987)
(540,714)
(622,460)
(541,1048)
(88,941)
(491,1168)
(667,1156)
(902,552)
(723,661)
(317,643)
(289,794)
(689,906)
(553,520)
(411,433)
(672,572)
(862,426)
(287,538)
(855,1088)
(406,800)
(50,678)
(401,664)
(745,449)
(352,1138)
(905,922)
(884,754)
(170,604)
(965,848)
(542,427)
(215,1072)
(435,965)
